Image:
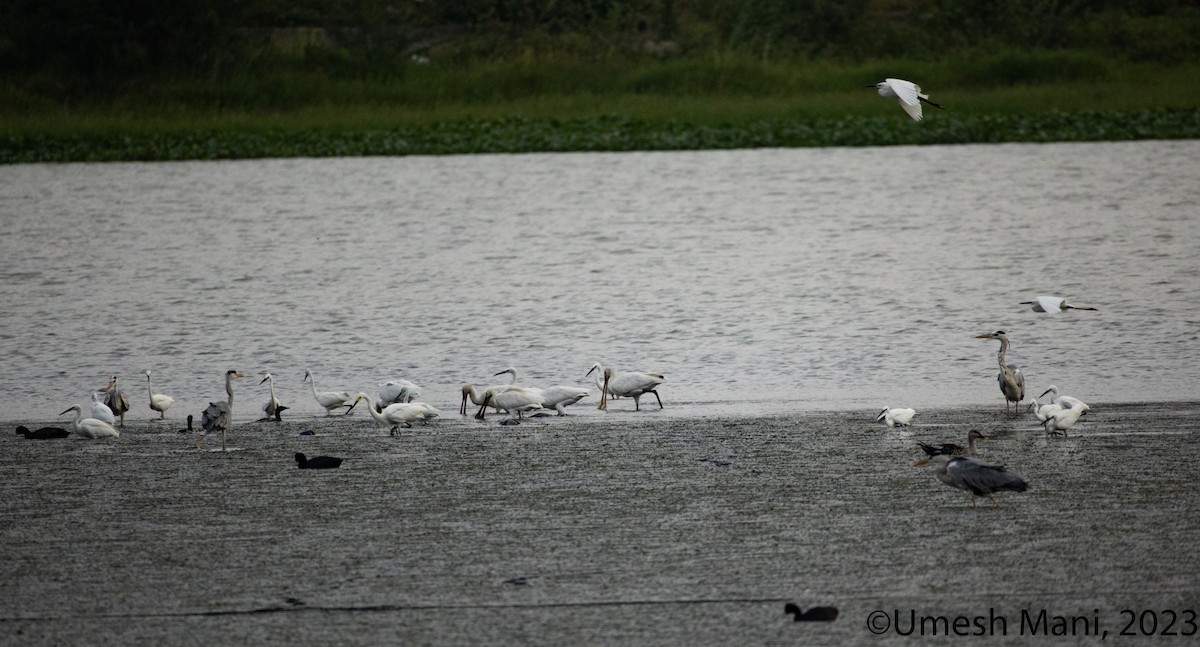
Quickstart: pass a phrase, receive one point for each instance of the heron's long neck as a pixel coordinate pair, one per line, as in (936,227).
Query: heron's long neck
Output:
(1003,351)
(312,381)
(229,389)
(149,390)
(377,415)
(271,383)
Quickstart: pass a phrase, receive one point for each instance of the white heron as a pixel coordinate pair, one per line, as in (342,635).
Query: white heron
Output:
(978,478)
(399,413)
(272,406)
(513,399)
(116,400)
(90,427)
(219,415)
(896,417)
(553,397)
(1044,411)
(1065,401)
(1058,422)
(1052,305)
(907,93)
(398,390)
(1012,381)
(100,411)
(330,399)
(631,384)
(158,401)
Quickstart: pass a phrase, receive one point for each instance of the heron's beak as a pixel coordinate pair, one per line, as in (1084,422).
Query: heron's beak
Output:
(68,409)
(870,86)
(983,336)
(590,371)
(880,416)
(352,405)
(1044,392)
(239,375)
(264,380)
(923,461)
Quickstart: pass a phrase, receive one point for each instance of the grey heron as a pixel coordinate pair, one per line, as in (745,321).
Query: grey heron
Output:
(399,413)
(513,399)
(272,406)
(978,478)
(219,415)
(158,401)
(814,614)
(330,400)
(1012,382)
(628,384)
(116,400)
(907,93)
(42,433)
(1065,401)
(90,427)
(953,449)
(317,462)
(896,417)
(553,397)
(1052,305)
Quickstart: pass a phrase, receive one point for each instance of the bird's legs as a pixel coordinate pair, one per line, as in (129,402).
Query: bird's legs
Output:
(655,392)
(223,447)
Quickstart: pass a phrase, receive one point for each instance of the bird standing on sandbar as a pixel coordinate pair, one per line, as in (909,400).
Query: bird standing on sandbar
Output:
(1012,382)
(219,415)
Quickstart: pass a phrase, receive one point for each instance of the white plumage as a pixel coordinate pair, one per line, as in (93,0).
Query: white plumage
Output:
(91,427)
(907,93)
(896,417)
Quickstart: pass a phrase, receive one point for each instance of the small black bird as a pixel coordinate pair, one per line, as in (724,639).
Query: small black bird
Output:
(189,427)
(815,614)
(45,433)
(317,462)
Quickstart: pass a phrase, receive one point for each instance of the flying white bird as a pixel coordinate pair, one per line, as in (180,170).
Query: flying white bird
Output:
(907,93)
(896,417)
(1053,305)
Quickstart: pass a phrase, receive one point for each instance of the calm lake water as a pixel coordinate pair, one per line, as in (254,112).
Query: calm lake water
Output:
(756,280)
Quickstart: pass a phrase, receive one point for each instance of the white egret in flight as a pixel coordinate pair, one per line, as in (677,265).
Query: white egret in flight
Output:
(907,93)
(1052,305)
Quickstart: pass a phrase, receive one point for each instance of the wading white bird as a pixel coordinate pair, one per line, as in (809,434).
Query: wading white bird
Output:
(896,417)
(330,399)
(907,93)
(553,397)
(100,411)
(1053,305)
(398,390)
(90,427)
(980,479)
(219,415)
(472,392)
(271,406)
(158,401)
(628,384)
(1058,422)
(399,413)
(1065,401)
(1044,411)
(1012,382)
(116,400)
(513,399)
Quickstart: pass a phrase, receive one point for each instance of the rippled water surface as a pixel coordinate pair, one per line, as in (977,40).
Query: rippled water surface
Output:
(762,279)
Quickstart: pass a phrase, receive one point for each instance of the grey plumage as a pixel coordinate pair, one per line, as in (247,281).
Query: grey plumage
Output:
(219,415)
(978,478)
(116,400)
(954,449)
(1010,378)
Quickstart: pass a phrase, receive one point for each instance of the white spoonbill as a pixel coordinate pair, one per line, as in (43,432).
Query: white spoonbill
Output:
(90,427)
(158,401)
(1012,382)
(472,392)
(553,397)
(399,413)
(116,400)
(896,417)
(330,399)
(628,384)
(398,390)
(1065,401)
(1052,305)
(100,411)
(272,406)
(907,93)
(513,399)
(219,415)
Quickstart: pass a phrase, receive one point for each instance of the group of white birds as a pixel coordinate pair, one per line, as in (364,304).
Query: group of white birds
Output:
(397,405)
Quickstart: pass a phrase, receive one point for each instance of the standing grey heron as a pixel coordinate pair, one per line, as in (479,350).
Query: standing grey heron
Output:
(954,449)
(271,406)
(896,417)
(628,384)
(116,400)
(158,401)
(1053,305)
(907,93)
(219,415)
(330,399)
(553,397)
(1012,382)
(980,479)
(90,427)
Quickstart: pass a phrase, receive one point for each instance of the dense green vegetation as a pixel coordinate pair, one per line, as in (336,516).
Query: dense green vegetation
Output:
(135,79)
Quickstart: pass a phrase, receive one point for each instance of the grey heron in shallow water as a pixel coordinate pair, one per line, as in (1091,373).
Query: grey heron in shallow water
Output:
(1053,305)
(907,93)
(978,478)
(1012,382)
(219,415)
(954,449)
